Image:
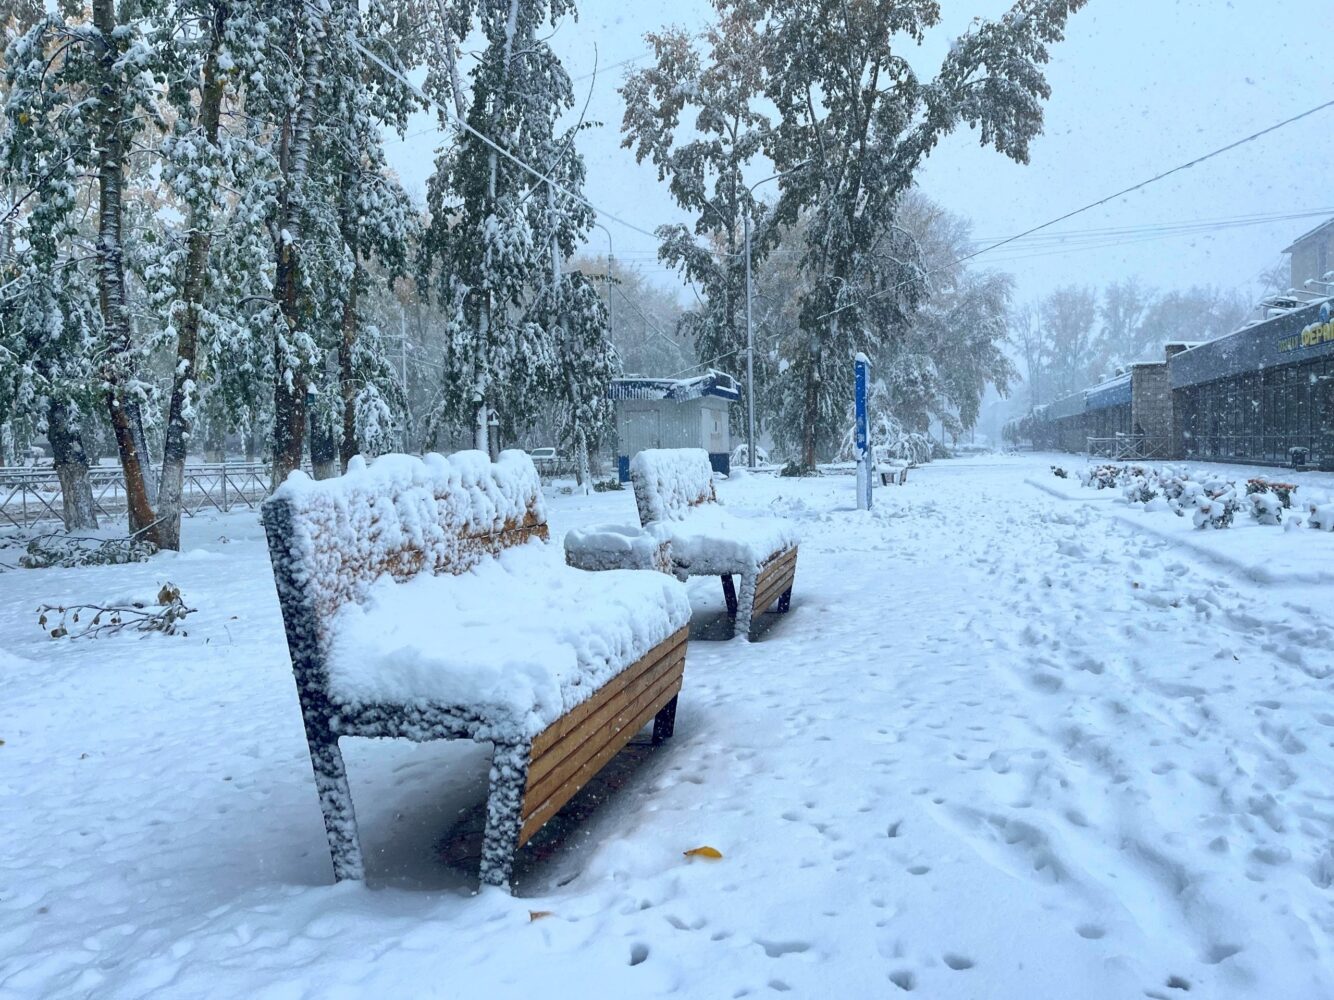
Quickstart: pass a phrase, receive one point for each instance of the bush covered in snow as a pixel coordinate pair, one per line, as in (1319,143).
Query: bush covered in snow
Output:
(1283,491)
(1320,515)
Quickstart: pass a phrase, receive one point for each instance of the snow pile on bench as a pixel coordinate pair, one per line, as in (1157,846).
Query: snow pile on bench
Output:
(403,516)
(669,482)
(618,546)
(429,584)
(711,540)
(674,492)
(519,640)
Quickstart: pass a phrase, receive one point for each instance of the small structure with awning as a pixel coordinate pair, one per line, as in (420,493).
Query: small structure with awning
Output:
(674,413)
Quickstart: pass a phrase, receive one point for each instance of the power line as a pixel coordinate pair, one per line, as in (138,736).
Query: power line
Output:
(1103,201)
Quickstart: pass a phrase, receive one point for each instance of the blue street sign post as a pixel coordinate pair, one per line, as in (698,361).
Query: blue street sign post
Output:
(863,436)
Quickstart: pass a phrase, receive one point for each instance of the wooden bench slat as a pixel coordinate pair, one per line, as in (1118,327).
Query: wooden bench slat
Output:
(576,716)
(607,703)
(772,591)
(622,736)
(563,759)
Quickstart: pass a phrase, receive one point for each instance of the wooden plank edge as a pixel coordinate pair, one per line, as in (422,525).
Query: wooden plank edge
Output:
(539,817)
(552,755)
(545,799)
(575,717)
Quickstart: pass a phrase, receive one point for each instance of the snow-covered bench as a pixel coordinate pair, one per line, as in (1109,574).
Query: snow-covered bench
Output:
(892,471)
(422,600)
(676,500)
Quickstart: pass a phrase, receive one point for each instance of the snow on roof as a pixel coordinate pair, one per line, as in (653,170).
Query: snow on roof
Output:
(1306,236)
(712,383)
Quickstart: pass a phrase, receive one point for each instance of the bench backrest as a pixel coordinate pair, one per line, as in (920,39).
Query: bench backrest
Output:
(330,540)
(669,482)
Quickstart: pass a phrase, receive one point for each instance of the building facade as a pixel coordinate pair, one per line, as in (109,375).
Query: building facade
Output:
(1312,256)
(674,413)
(1263,395)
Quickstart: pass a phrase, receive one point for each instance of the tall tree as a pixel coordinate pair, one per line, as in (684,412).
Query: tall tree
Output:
(697,115)
(856,124)
(1070,315)
(492,228)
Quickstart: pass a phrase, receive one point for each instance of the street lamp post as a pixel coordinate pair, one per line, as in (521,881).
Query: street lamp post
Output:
(750,332)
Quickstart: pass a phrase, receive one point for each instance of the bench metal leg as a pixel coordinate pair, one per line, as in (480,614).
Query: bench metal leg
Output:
(785,601)
(340,822)
(664,723)
(504,812)
(746,603)
(729,595)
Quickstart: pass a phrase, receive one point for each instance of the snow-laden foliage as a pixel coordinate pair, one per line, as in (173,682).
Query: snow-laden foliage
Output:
(855,124)
(715,89)
(498,235)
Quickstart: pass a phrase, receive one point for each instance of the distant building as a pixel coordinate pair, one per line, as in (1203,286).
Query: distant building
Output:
(1312,256)
(674,413)
(1258,396)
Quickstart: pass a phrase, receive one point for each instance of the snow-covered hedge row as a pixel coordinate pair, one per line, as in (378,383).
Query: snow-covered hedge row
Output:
(1212,501)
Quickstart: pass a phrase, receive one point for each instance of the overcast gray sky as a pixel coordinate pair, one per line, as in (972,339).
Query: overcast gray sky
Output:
(1137,87)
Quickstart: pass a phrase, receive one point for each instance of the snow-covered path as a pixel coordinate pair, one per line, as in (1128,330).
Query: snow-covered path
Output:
(1005,746)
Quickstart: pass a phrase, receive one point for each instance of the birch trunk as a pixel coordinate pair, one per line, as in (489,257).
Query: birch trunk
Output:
(122,406)
(198,243)
(71,463)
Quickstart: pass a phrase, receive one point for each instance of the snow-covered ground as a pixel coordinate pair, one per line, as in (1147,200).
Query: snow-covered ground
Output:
(1009,743)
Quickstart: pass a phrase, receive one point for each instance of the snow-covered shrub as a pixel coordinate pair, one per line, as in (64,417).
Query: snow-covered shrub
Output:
(1283,491)
(58,549)
(1105,477)
(1140,489)
(1216,510)
(795,469)
(1266,508)
(607,486)
(1321,516)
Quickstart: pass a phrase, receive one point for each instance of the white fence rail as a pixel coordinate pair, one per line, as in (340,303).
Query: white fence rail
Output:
(30,496)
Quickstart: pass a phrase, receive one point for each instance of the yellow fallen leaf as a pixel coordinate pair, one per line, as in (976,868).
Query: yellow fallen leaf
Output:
(538,915)
(712,853)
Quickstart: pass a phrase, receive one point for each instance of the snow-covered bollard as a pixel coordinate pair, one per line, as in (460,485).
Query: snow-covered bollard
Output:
(618,546)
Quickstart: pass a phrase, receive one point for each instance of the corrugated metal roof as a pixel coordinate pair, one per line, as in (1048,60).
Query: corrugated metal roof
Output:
(713,383)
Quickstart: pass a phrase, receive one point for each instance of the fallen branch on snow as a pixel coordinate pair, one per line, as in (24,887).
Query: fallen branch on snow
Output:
(110,619)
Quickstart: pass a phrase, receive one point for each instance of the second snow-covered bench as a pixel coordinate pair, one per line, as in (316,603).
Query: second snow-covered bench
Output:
(675,496)
(422,600)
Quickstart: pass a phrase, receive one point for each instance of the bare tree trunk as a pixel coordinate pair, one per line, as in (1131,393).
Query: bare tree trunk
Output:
(289,395)
(71,463)
(122,406)
(198,243)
